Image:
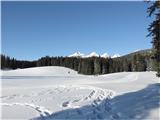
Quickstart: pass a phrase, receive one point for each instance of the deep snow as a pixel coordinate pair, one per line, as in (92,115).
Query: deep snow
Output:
(61,93)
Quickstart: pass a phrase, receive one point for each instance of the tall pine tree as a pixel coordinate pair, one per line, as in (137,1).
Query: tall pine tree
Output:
(154,31)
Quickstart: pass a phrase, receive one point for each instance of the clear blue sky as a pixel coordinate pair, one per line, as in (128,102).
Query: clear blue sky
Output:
(34,29)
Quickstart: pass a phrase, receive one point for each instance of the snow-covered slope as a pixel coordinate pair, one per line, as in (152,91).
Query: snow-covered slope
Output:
(115,56)
(77,54)
(46,93)
(41,71)
(92,54)
(105,55)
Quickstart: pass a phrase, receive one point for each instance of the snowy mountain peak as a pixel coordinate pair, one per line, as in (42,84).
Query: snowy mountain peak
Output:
(115,56)
(92,54)
(76,54)
(105,55)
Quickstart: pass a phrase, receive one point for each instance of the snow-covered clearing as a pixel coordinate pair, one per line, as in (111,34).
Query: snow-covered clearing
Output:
(45,93)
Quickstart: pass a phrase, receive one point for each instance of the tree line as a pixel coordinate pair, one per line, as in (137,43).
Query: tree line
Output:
(11,63)
(88,66)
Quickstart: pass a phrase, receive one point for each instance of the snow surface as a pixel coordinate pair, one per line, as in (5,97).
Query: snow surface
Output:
(115,56)
(92,54)
(105,55)
(77,54)
(45,93)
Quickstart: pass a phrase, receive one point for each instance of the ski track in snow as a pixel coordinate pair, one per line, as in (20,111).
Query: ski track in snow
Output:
(96,94)
(43,111)
(95,97)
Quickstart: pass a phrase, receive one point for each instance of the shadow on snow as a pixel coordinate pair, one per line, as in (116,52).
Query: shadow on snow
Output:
(133,105)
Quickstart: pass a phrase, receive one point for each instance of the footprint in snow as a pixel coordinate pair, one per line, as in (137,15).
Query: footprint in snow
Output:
(65,104)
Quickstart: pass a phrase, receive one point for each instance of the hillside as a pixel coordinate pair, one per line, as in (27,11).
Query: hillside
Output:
(40,71)
(141,52)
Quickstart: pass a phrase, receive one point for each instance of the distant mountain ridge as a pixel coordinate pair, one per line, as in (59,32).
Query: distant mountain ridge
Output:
(141,52)
(106,55)
(93,54)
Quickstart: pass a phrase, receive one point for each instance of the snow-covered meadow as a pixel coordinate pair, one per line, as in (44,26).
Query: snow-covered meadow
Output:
(45,93)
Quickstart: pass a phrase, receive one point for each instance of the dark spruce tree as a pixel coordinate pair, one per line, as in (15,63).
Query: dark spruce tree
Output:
(97,65)
(12,63)
(139,63)
(105,65)
(86,66)
(154,31)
